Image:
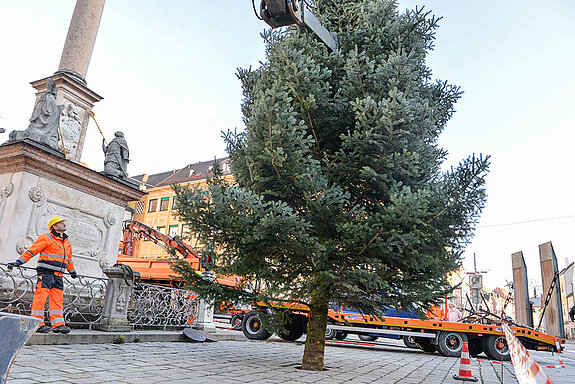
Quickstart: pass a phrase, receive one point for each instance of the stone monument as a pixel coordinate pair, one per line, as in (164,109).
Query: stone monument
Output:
(41,176)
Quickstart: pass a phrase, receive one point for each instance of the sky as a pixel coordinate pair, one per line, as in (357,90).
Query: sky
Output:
(167,72)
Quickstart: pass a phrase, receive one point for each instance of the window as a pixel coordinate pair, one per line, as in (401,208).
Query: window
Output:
(164,203)
(152,205)
(173,230)
(161,229)
(174,202)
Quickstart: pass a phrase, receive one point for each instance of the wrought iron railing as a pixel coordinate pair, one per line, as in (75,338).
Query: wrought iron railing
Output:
(150,306)
(83,297)
(153,306)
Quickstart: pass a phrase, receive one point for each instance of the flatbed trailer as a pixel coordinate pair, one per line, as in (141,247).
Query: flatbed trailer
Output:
(444,337)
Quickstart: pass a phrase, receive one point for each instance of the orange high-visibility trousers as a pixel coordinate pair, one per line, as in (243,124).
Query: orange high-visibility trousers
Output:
(45,289)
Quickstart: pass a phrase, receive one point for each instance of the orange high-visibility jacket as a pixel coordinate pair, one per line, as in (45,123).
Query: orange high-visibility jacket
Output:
(55,253)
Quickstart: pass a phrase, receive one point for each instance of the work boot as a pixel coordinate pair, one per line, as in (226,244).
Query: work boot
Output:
(61,329)
(43,329)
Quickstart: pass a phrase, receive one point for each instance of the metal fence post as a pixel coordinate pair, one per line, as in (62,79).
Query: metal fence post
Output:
(115,312)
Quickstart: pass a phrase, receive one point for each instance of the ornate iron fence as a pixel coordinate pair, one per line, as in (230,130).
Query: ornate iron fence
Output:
(150,306)
(153,306)
(83,297)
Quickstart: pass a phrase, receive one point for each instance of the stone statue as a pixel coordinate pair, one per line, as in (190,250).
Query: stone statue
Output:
(45,120)
(117,157)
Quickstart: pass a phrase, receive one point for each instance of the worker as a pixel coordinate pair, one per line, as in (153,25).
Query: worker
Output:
(453,314)
(55,253)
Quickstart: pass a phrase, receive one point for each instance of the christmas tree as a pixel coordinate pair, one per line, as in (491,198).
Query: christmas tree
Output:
(340,197)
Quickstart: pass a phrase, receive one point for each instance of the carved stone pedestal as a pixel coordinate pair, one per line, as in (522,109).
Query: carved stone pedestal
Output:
(205,317)
(115,312)
(37,183)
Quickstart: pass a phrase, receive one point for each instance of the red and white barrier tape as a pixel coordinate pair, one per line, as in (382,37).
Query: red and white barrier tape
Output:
(527,370)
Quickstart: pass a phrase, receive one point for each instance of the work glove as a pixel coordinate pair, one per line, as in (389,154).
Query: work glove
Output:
(74,275)
(13,264)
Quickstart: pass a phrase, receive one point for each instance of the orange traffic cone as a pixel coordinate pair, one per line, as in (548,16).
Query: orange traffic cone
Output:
(465,366)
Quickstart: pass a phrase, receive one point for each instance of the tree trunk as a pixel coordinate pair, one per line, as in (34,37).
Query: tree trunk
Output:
(315,340)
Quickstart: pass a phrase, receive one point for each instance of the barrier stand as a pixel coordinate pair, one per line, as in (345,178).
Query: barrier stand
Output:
(15,331)
(527,370)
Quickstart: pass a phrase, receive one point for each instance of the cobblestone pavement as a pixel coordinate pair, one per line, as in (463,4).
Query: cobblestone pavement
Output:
(232,362)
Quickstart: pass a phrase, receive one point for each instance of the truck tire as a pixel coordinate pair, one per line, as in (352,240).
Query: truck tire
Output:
(340,335)
(252,327)
(425,345)
(449,344)
(409,342)
(367,337)
(295,328)
(495,347)
(475,347)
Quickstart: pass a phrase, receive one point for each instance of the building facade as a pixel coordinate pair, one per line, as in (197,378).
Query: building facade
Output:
(157,208)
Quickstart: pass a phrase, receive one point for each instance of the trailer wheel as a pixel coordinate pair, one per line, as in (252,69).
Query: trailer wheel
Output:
(330,333)
(252,327)
(425,345)
(367,337)
(495,347)
(295,329)
(475,347)
(409,342)
(450,343)
(340,335)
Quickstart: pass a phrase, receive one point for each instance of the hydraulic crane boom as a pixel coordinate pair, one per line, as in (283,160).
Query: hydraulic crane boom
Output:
(134,228)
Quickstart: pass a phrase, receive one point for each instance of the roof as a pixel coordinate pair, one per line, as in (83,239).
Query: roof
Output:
(190,172)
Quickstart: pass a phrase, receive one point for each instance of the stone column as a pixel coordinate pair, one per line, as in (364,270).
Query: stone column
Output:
(118,292)
(523,312)
(554,313)
(81,38)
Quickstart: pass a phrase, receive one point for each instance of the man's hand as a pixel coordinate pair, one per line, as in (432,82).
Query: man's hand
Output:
(13,264)
(74,275)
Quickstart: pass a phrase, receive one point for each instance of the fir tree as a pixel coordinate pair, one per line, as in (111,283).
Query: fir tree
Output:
(340,197)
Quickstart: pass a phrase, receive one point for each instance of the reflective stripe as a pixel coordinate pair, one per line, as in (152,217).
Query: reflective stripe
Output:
(30,252)
(37,313)
(21,260)
(56,312)
(57,320)
(52,256)
(52,267)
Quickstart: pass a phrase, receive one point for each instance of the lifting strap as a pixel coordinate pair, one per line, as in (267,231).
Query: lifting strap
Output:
(101,133)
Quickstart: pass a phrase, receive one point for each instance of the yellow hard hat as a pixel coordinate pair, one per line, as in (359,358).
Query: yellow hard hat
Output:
(54,220)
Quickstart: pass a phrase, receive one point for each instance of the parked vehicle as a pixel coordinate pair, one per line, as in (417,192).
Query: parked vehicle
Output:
(444,337)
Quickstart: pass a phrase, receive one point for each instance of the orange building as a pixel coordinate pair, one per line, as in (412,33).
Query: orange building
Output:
(156,209)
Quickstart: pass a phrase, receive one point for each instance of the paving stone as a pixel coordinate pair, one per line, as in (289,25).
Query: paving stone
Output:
(228,362)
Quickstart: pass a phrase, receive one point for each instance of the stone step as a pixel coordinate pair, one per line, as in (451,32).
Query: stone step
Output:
(84,336)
